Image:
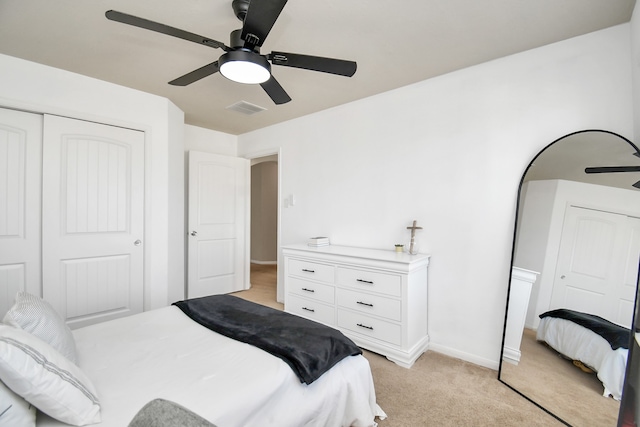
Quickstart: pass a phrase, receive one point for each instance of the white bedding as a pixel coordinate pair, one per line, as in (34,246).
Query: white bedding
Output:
(164,354)
(579,343)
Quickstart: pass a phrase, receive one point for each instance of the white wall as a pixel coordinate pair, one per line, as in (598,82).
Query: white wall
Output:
(264,212)
(209,141)
(448,152)
(38,88)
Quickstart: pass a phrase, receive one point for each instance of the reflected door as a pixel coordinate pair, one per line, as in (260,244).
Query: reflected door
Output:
(594,265)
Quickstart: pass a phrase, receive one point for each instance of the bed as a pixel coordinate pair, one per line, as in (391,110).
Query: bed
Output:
(596,343)
(164,356)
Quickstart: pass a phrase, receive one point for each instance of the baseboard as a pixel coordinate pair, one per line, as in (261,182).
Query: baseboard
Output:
(467,357)
(253,261)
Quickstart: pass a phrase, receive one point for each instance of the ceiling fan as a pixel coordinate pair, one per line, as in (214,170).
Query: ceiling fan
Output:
(615,169)
(242,61)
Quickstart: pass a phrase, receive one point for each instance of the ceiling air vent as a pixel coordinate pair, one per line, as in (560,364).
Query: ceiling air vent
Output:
(245,107)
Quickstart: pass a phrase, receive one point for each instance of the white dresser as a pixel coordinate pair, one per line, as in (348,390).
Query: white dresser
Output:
(521,283)
(375,297)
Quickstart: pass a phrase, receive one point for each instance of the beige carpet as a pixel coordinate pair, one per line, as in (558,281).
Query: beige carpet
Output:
(561,387)
(437,391)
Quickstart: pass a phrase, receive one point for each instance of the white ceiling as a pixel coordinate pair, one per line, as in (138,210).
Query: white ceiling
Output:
(395,43)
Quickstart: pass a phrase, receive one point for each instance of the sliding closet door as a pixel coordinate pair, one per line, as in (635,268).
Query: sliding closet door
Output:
(92,229)
(20,177)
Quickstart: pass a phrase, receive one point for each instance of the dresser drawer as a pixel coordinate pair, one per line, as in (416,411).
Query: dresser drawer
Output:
(389,284)
(311,270)
(370,304)
(310,309)
(311,290)
(370,326)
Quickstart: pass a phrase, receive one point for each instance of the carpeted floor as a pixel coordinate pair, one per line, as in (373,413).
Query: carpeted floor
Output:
(437,391)
(561,387)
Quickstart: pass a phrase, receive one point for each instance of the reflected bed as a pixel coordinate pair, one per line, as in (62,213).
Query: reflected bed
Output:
(583,344)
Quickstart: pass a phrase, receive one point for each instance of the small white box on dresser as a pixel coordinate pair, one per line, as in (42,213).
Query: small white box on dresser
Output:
(375,297)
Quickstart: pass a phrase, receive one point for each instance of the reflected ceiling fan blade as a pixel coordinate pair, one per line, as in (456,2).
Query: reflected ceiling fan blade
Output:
(261,16)
(275,91)
(196,75)
(612,169)
(164,29)
(314,63)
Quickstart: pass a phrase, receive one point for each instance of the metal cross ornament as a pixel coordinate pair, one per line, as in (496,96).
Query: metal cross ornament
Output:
(413,229)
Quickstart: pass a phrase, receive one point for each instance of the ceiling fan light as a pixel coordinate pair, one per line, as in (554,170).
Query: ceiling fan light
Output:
(244,67)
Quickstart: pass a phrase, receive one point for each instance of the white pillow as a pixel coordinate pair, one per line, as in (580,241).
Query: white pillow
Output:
(45,378)
(14,410)
(35,315)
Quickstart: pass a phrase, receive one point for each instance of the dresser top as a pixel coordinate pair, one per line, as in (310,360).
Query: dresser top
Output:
(364,253)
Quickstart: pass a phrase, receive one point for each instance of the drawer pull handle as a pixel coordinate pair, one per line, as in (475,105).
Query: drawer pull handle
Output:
(365,326)
(309,309)
(369,282)
(364,303)
(308,290)
(308,271)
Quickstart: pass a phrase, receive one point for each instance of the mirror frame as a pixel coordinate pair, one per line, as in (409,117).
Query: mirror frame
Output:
(635,320)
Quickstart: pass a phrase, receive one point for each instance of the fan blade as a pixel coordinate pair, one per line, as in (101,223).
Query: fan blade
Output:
(261,16)
(196,75)
(275,91)
(314,63)
(612,169)
(164,29)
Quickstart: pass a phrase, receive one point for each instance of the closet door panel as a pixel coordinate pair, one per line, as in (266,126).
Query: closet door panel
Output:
(20,177)
(597,260)
(93,222)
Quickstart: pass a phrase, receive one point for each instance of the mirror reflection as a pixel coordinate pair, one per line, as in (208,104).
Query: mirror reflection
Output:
(574,274)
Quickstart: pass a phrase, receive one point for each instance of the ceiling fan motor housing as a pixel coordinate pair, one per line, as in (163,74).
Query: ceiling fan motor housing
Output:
(235,40)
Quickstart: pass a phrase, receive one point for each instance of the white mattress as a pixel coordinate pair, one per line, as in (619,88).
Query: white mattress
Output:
(164,354)
(579,343)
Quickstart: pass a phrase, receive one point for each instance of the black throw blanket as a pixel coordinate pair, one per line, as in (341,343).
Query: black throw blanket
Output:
(308,347)
(615,334)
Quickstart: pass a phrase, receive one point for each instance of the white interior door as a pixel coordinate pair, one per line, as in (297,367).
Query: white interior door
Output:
(628,283)
(20,180)
(218,259)
(92,229)
(597,264)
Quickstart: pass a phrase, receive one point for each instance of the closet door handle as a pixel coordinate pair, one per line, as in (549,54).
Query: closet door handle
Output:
(137,242)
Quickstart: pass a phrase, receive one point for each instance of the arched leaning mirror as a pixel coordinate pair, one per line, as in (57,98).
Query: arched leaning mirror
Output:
(575,256)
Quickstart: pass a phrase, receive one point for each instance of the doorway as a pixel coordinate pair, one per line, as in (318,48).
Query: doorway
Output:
(264,227)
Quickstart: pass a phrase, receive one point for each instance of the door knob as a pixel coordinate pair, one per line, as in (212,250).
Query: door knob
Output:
(194,233)
(137,242)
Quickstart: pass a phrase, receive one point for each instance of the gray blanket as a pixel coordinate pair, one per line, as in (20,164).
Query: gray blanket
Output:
(163,413)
